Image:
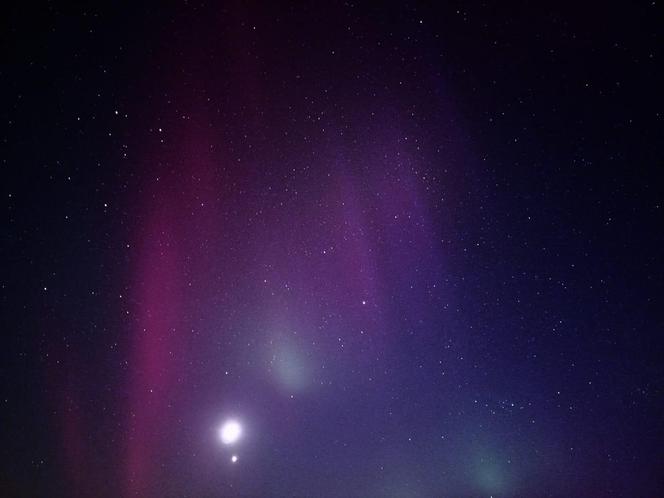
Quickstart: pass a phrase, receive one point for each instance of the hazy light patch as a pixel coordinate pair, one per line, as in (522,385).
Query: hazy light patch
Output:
(290,365)
(490,474)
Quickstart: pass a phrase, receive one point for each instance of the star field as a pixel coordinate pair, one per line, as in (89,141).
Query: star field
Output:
(332,250)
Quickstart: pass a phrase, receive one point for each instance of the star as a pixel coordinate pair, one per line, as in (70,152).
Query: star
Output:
(230,432)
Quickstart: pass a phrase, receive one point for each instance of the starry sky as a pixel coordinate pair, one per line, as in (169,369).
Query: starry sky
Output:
(332,249)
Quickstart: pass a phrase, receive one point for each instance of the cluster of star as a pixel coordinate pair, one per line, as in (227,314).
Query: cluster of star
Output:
(230,433)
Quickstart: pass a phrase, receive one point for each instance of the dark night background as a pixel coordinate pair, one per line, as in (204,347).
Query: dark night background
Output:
(413,248)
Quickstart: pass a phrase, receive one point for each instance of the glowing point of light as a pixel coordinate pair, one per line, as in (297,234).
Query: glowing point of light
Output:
(234,458)
(230,432)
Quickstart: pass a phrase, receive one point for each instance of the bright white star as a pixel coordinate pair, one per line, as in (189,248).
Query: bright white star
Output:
(230,432)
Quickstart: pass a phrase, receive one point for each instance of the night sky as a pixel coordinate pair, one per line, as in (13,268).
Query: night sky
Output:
(328,249)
